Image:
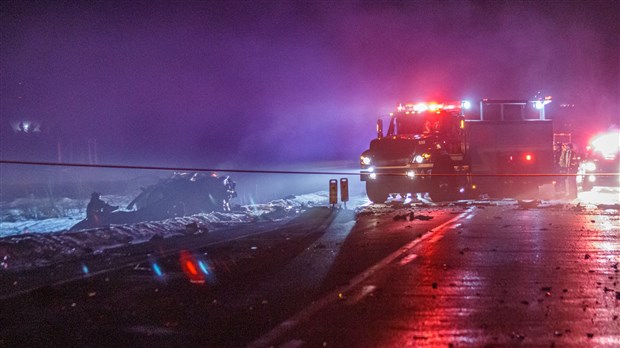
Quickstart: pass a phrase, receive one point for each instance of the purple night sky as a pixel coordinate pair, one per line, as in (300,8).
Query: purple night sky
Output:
(239,84)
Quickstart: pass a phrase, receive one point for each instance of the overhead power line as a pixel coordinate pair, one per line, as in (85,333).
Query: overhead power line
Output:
(183,169)
(353,172)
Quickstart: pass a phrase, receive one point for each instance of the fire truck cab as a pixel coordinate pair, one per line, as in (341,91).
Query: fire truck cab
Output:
(423,150)
(432,148)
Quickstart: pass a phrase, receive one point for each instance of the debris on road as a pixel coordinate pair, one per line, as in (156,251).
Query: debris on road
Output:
(528,204)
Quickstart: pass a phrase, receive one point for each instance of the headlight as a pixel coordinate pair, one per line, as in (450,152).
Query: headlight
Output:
(365,160)
(421,158)
(590,166)
(591,178)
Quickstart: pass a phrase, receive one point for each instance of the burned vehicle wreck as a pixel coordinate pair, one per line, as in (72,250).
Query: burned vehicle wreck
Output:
(181,194)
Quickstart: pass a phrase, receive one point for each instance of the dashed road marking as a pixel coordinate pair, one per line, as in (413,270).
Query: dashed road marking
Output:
(280,330)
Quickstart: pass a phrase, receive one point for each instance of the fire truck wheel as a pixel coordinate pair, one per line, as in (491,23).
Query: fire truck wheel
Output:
(376,193)
(586,186)
(443,186)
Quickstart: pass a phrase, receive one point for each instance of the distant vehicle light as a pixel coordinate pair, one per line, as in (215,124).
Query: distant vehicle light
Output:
(462,190)
(365,160)
(411,174)
(608,144)
(528,157)
(371,169)
(418,159)
(465,104)
(373,176)
(590,166)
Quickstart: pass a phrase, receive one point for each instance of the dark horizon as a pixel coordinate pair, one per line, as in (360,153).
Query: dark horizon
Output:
(237,84)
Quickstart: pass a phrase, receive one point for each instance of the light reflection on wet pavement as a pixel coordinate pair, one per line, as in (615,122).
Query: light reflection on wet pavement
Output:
(506,276)
(465,274)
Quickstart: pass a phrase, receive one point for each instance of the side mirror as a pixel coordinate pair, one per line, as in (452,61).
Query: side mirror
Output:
(379,128)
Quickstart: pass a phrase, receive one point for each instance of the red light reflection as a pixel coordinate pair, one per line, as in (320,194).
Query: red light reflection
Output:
(188,264)
(196,268)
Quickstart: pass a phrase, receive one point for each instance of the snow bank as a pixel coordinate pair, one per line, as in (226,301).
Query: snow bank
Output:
(25,250)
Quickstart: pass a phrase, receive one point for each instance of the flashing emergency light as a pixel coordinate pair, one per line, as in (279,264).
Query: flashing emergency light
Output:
(431,106)
(420,107)
(435,107)
(540,104)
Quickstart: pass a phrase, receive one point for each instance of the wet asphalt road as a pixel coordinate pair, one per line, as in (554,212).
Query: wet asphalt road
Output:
(497,276)
(465,275)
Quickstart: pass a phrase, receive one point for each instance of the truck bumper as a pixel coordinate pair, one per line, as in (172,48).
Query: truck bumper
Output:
(399,180)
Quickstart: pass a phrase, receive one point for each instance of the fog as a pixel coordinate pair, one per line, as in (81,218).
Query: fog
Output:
(221,84)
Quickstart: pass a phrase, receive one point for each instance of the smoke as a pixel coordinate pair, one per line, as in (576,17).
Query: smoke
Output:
(249,84)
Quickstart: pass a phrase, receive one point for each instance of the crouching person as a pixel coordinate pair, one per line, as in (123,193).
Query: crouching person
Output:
(98,211)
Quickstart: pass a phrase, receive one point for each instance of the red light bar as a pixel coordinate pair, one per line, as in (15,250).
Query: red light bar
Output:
(430,106)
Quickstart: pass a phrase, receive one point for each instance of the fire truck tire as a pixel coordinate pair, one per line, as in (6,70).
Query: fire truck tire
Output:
(376,193)
(443,187)
(586,186)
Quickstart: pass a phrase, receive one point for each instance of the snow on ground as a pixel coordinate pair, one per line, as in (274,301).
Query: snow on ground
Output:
(44,215)
(35,232)
(52,242)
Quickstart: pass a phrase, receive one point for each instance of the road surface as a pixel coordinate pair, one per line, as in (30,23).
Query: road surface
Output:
(401,274)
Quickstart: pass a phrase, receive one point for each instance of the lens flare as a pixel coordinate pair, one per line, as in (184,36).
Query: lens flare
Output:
(157,270)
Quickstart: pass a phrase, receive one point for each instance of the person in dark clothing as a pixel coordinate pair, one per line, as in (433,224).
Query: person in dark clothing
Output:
(567,166)
(98,211)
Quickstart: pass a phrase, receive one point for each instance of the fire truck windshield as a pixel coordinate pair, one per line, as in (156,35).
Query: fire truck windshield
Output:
(421,123)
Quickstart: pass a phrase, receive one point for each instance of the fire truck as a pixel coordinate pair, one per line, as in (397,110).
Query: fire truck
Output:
(433,148)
